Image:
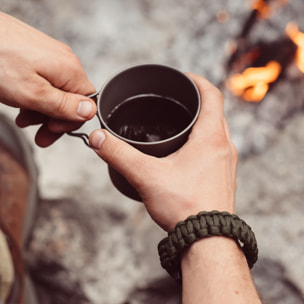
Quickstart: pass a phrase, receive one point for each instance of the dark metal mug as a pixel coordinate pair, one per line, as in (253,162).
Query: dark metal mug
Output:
(146,79)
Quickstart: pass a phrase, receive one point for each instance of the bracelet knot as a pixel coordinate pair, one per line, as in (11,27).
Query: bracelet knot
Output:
(205,224)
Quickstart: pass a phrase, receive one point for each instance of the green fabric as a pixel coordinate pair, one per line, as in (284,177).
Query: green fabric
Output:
(205,224)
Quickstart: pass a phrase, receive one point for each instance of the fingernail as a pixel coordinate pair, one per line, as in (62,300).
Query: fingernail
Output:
(84,108)
(97,139)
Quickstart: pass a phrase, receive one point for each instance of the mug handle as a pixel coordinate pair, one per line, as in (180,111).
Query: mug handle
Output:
(84,136)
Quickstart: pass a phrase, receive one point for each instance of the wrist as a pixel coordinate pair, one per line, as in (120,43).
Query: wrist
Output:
(201,226)
(216,250)
(194,205)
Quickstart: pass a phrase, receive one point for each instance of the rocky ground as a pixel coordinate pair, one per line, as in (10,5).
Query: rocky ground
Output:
(93,245)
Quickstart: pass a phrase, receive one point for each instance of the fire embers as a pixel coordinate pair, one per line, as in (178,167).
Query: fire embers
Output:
(255,69)
(297,37)
(265,8)
(261,67)
(253,83)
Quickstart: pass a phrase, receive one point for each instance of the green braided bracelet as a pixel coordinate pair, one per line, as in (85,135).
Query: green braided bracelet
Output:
(205,224)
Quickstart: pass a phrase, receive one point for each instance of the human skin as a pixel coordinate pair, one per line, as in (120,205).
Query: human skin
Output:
(201,176)
(43,78)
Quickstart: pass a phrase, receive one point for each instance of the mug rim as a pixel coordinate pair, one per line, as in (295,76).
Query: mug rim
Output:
(134,142)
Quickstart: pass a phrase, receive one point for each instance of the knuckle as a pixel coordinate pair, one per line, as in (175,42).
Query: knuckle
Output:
(77,79)
(73,61)
(75,66)
(34,92)
(234,152)
(225,152)
(219,94)
(114,156)
(36,88)
(133,168)
(61,106)
(41,96)
(220,142)
(70,60)
(217,134)
(65,46)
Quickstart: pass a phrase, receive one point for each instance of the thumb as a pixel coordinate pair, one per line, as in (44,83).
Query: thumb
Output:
(122,157)
(62,105)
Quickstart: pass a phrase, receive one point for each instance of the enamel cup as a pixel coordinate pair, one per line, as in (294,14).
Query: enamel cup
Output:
(147,80)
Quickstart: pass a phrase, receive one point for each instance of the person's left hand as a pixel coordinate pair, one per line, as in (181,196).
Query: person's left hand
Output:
(45,79)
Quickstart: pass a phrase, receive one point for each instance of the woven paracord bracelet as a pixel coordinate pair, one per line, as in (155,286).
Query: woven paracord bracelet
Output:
(205,224)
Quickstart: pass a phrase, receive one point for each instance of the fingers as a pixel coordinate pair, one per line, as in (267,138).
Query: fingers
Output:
(27,118)
(227,130)
(44,137)
(64,69)
(129,161)
(46,78)
(44,98)
(56,110)
(51,129)
(119,155)
(212,102)
(210,125)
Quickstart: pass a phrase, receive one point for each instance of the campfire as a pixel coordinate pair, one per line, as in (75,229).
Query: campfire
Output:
(297,37)
(253,83)
(254,69)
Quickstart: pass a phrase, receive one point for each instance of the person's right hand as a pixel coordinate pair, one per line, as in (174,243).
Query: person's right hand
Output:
(43,78)
(201,176)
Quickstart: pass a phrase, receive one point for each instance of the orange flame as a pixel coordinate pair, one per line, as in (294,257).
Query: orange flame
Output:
(297,37)
(253,84)
(262,7)
(266,8)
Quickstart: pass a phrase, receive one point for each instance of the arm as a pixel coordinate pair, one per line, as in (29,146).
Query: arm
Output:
(201,176)
(43,78)
(216,271)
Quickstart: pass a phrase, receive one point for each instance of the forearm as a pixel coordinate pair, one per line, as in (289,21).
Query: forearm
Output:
(215,270)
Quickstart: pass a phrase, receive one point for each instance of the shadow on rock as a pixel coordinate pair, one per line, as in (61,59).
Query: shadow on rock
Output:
(273,284)
(164,290)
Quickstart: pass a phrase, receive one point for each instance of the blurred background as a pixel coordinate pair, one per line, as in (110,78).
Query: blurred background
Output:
(93,245)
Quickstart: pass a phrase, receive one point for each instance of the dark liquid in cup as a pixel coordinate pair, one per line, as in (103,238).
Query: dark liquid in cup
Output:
(149,118)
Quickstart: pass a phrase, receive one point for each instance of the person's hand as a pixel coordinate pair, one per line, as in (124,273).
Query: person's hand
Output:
(43,78)
(201,176)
